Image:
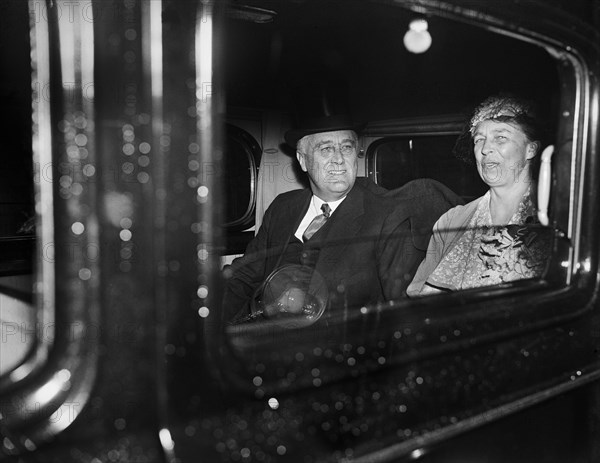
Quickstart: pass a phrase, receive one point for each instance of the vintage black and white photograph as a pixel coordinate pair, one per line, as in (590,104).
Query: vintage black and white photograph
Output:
(300,231)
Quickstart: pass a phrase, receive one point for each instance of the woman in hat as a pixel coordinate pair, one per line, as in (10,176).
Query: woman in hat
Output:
(491,240)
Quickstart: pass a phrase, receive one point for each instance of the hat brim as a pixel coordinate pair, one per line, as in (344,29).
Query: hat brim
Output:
(294,135)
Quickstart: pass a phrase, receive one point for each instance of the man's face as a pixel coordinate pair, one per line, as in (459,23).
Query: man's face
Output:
(330,160)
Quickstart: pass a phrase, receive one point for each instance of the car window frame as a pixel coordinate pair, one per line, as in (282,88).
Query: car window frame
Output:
(572,281)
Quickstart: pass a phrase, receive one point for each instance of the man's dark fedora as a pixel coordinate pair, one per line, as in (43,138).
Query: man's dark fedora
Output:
(321,124)
(320,106)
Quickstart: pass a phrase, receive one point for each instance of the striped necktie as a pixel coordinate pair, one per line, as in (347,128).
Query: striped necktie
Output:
(317,222)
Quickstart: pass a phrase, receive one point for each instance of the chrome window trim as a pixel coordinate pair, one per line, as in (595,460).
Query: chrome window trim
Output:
(48,392)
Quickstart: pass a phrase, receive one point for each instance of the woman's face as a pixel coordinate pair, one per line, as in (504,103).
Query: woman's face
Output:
(502,151)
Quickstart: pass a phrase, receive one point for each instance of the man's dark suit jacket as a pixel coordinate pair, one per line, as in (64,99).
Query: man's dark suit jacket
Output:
(368,251)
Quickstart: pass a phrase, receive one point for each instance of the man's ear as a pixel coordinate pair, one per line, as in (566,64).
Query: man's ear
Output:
(301,159)
(532,149)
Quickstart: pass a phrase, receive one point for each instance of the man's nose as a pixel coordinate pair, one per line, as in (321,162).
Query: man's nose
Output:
(337,155)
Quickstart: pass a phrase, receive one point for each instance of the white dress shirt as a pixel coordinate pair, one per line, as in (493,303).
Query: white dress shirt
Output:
(314,209)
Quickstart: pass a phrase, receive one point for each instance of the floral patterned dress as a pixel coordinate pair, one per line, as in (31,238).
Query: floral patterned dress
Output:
(487,255)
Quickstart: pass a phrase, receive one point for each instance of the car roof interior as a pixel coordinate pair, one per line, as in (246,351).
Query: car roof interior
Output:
(276,52)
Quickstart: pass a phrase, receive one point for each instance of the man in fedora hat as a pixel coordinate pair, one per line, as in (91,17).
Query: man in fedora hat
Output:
(364,241)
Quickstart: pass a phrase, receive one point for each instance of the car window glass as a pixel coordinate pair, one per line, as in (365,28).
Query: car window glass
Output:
(17,176)
(362,376)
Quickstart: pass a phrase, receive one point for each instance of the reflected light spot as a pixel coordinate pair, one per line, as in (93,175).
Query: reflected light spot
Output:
(161,193)
(273,403)
(418,25)
(126,222)
(165,439)
(128,149)
(564,264)
(125,235)
(65,181)
(29,445)
(80,121)
(587,265)
(169,349)
(418,453)
(144,148)
(144,118)
(417,39)
(130,34)
(73,151)
(8,444)
(80,139)
(203,312)
(78,228)
(77,189)
(49,390)
(64,375)
(143,177)
(127,167)
(202,292)
(85,274)
(89,170)
(129,56)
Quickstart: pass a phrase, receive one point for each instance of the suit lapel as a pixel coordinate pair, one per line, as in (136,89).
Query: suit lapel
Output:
(292,215)
(285,224)
(344,225)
